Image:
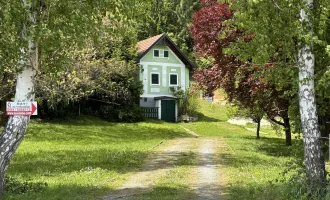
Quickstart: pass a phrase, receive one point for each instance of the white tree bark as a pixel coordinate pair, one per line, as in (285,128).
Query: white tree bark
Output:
(15,129)
(313,155)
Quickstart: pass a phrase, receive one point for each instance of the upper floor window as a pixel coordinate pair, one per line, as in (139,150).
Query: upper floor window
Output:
(165,54)
(154,78)
(156,53)
(161,53)
(174,79)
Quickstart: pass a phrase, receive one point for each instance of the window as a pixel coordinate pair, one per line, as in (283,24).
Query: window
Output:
(165,54)
(161,53)
(173,79)
(156,53)
(154,79)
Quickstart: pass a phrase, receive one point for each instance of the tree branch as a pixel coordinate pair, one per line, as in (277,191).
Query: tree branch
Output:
(277,122)
(277,5)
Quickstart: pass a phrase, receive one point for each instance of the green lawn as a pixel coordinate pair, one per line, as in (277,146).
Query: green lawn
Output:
(251,166)
(84,159)
(87,158)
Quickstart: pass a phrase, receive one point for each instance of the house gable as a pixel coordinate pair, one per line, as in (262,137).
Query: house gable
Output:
(144,47)
(150,57)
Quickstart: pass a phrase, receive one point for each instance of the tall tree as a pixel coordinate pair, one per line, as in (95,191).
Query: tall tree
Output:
(314,159)
(290,40)
(39,33)
(172,17)
(243,80)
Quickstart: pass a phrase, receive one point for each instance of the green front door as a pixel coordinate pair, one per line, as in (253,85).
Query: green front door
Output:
(168,110)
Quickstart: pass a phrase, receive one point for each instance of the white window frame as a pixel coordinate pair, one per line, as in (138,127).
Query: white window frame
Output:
(160,53)
(169,79)
(158,78)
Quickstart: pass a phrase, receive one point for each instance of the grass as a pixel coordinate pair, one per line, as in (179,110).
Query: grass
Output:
(84,159)
(251,166)
(87,158)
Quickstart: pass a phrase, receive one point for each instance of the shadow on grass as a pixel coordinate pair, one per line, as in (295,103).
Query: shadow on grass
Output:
(166,192)
(163,192)
(274,146)
(269,191)
(86,120)
(62,192)
(277,147)
(54,163)
(99,132)
(204,118)
(93,191)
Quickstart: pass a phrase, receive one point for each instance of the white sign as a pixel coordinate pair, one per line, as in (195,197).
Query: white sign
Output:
(21,108)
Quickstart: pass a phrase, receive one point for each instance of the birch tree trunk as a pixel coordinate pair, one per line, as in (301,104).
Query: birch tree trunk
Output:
(16,126)
(313,155)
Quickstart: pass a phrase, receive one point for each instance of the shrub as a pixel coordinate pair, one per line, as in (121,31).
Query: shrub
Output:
(133,113)
(15,186)
(187,101)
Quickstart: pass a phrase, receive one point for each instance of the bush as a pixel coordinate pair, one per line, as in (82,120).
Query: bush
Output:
(127,114)
(15,186)
(61,110)
(187,102)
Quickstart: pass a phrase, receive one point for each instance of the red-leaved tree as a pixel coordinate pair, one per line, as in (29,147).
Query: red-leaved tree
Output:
(243,82)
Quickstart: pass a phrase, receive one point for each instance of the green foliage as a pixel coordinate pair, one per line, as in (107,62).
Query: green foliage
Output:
(255,113)
(169,16)
(277,36)
(231,111)
(96,75)
(15,186)
(187,101)
(112,113)
(78,45)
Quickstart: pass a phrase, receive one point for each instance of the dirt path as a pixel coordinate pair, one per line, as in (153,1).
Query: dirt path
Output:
(205,177)
(142,181)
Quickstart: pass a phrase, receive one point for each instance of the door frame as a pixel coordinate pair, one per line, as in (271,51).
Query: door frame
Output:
(159,105)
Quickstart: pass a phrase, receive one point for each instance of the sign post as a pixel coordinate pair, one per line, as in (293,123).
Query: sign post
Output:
(21,108)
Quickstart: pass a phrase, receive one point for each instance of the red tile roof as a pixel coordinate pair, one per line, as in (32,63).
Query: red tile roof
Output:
(144,45)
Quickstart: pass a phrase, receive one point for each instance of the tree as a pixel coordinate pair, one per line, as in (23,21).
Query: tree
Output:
(39,32)
(169,16)
(243,80)
(289,40)
(314,159)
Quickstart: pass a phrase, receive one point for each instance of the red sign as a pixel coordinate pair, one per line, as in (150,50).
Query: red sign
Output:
(21,108)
